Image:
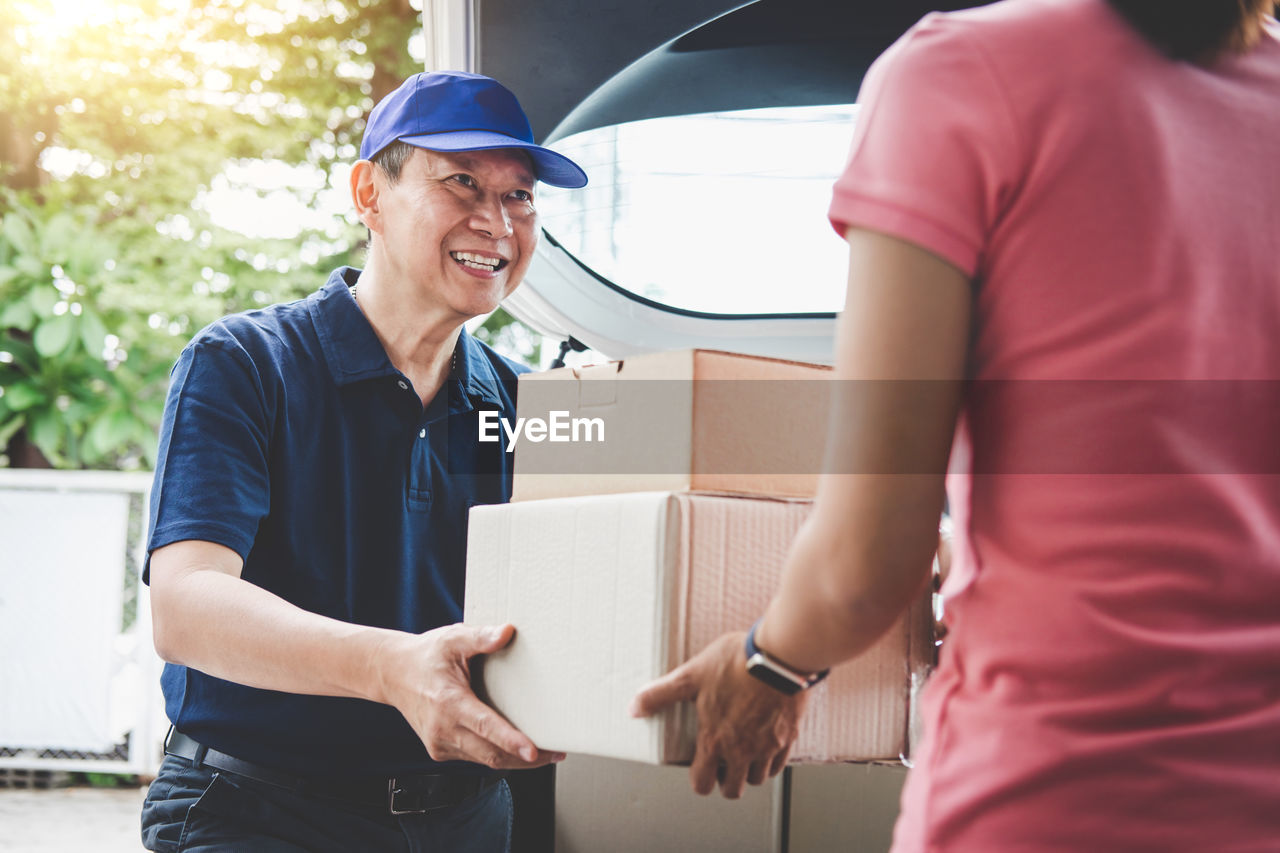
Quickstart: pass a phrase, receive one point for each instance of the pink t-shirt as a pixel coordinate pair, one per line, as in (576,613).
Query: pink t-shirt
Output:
(1111,680)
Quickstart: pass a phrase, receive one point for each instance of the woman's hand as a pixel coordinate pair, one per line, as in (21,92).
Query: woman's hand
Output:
(745,727)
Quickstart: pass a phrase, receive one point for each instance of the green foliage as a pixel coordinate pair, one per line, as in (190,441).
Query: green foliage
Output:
(62,357)
(110,780)
(117,120)
(510,337)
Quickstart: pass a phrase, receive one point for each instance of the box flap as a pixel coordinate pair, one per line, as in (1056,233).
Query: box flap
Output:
(598,385)
(644,410)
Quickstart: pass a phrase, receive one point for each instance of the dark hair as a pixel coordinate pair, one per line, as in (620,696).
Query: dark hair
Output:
(1195,30)
(392,159)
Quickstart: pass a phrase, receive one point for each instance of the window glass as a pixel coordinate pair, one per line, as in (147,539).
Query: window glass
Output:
(722,213)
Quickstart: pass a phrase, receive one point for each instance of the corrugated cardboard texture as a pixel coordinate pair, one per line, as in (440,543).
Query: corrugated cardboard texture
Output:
(849,808)
(608,593)
(695,420)
(609,806)
(735,554)
(622,807)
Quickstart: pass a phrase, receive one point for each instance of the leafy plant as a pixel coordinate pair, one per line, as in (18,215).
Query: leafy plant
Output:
(117,127)
(509,336)
(66,376)
(110,780)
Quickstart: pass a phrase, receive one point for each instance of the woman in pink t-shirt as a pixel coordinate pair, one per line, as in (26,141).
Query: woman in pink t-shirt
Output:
(1064,229)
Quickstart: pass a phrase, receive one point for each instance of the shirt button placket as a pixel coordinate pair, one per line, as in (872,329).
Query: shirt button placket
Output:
(420,473)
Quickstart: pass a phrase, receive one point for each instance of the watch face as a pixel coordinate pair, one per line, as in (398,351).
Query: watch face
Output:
(758,667)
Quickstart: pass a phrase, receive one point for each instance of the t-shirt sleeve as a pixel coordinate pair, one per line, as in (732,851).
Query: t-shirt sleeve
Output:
(211,480)
(934,146)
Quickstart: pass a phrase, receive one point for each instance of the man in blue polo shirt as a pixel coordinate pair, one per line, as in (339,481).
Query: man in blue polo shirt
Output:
(309,515)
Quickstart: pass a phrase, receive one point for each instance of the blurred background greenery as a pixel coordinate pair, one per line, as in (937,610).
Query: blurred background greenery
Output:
(162,163)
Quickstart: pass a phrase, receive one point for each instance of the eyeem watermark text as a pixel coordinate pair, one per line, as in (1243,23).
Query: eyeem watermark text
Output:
(557,427)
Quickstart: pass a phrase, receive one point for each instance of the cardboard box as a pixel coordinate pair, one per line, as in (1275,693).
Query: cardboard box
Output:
(616,806)
(690,420)
(608,593)
(624,807)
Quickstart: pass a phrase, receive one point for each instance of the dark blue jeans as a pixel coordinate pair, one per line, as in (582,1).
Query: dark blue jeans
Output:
(202,810)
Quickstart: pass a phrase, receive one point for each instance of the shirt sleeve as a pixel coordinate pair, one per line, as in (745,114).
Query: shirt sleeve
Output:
(211,480)
(934,146)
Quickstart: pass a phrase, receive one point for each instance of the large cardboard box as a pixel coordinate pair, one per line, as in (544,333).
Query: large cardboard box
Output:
(624,807)
(610,592)
(690,420)
(608,806)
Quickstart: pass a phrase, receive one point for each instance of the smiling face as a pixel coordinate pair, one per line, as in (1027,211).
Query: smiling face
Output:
(456,232)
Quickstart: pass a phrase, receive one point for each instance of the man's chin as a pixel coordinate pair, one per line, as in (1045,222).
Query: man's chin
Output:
(476,308)
(490,303)
(477,301)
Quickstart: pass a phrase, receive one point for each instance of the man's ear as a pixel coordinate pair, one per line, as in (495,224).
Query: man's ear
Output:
(364,194)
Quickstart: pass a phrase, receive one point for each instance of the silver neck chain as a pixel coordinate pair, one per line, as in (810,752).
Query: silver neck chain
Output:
(453,362)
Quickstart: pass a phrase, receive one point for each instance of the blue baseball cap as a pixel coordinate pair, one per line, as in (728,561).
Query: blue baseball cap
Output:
(456,111)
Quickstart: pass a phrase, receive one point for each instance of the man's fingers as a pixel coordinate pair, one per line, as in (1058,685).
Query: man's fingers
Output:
(472,640)
(678,685)
(469,746)
(756,774)
(479,734)
(484,722)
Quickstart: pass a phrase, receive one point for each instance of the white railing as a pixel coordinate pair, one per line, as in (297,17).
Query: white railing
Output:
(79,677)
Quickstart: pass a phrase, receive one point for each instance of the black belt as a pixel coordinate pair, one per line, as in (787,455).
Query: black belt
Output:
(397,794)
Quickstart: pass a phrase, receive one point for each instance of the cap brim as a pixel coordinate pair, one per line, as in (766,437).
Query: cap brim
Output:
(552,168)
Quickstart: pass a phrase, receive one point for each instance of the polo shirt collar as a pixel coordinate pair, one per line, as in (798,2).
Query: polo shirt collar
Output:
(475,371)
(353,352)
(351,349)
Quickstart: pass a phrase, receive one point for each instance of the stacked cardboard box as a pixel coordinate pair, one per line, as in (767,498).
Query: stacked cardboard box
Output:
(691,420)
(620,559)
(604,804)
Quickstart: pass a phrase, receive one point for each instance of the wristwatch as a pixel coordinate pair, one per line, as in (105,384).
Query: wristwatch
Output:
(776,674)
